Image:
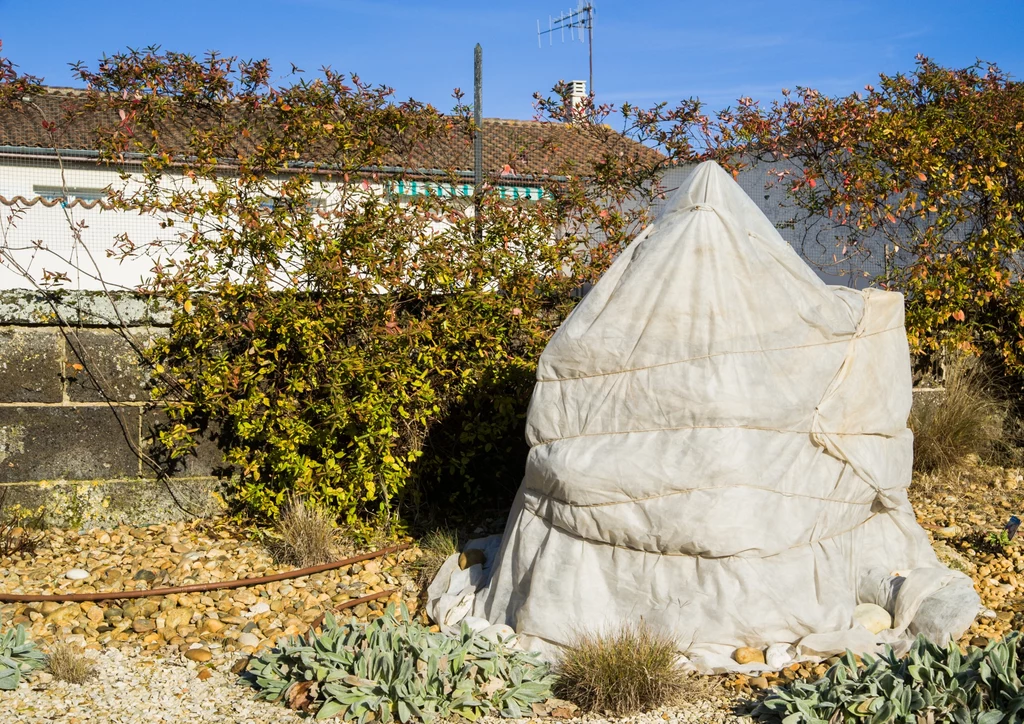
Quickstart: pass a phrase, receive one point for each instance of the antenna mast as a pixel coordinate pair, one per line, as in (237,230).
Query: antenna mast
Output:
(575,21)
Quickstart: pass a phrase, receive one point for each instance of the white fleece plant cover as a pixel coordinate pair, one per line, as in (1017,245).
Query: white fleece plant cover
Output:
(719,447)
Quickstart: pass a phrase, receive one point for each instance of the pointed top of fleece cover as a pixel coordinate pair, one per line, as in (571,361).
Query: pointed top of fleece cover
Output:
(710,276)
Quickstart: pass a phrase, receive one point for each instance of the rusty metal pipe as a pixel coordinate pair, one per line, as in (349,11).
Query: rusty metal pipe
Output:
(201,587)
(319,620)
(353,603)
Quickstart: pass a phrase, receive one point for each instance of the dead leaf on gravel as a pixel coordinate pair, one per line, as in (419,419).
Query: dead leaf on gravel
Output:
(239,667)
(301,696)
(561,709)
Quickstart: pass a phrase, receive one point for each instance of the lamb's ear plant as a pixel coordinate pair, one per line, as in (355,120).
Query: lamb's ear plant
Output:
(929,684)
(395,668)
(18,656)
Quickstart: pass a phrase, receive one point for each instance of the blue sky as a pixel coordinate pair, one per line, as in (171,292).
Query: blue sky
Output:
(647,52)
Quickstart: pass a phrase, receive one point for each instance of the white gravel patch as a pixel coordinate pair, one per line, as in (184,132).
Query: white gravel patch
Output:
(130,688)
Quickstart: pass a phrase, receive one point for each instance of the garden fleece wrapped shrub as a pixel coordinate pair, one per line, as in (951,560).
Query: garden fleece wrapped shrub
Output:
(719,446)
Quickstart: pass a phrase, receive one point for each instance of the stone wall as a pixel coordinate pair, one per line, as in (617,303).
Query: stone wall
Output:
(75,413)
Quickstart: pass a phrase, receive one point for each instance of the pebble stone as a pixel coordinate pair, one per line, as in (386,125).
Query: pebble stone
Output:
(747,655)
(199,655)
(248,639)
(76,574)
(261,607)
(872,617)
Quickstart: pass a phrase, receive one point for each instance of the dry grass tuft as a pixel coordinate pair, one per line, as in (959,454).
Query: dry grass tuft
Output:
(631,669)
(307,534)
(437,546)
(965,418)
(67,663)
(20,528)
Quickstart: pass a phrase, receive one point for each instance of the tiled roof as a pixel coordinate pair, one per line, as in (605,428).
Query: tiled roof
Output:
(511,147)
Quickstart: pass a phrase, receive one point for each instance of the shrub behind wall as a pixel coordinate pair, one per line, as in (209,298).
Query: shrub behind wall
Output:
(347,344)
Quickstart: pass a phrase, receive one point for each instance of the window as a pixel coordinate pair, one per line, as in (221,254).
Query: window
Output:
(54,193)
(429,188)
(274,202)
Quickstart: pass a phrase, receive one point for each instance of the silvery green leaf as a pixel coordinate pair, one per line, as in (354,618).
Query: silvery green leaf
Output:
(329,709)
(9,678)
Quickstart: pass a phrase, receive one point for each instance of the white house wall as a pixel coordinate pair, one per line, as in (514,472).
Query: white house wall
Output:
(38,238)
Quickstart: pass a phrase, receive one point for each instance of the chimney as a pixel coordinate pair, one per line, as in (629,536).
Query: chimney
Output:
(577,92)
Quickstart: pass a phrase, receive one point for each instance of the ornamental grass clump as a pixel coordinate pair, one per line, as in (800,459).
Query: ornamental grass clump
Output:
(18,656)
(20,528)
(965,418)
(437,546)
(930,684)
(66,663)
(394,668)
(307,533)
(631,669)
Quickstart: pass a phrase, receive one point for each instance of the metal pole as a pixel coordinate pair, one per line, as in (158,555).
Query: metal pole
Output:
(478,138)
(590,43)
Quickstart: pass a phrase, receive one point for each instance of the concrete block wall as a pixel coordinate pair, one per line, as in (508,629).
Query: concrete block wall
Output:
(66,445)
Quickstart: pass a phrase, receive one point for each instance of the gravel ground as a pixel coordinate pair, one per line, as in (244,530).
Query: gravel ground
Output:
(716,711)
(218,623)
(143,676)
(131,687)
(960,509)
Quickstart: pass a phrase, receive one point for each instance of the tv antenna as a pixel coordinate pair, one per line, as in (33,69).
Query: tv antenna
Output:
(575,21)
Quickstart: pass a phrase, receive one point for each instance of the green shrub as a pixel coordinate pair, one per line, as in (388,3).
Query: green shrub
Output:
(631,669)
(929,684)
(965,418)
(369,350)
(398,669)
(18,656)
